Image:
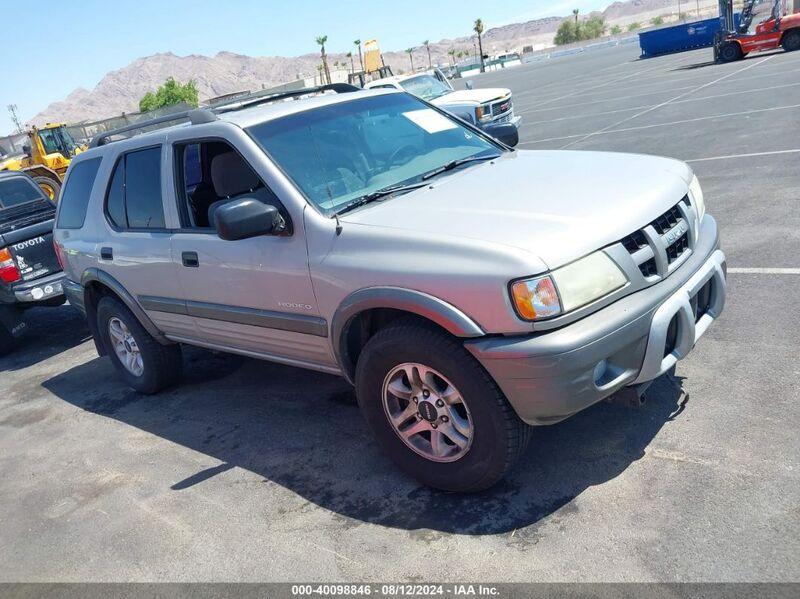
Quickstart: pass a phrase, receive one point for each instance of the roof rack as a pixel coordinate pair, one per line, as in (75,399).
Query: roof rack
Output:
(199,116)
(196,116)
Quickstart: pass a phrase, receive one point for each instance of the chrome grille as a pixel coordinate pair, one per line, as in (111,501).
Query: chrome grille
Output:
(657,248)
(502,106)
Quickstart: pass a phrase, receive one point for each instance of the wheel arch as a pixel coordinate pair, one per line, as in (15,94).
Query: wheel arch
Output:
(367,310)
(97,284)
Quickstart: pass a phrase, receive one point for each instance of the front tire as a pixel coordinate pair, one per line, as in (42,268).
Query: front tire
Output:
(144,364)
(730,52)
(460,434)
(51,187)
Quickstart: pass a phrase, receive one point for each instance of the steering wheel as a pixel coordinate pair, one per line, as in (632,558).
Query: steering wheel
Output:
(393,158)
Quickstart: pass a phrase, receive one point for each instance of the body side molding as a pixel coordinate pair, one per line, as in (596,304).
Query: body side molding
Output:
(268,319)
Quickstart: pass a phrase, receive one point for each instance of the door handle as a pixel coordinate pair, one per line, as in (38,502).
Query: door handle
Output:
(106,253)
(190,259)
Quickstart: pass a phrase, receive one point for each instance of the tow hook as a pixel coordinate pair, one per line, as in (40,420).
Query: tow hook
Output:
(631,397)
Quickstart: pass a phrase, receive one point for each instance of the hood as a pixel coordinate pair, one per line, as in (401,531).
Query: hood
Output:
(476,96)
(556,205)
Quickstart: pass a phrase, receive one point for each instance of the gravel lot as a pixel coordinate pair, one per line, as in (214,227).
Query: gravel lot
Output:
(257,472)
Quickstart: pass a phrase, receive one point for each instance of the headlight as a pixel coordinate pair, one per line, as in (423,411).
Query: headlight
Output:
(483,112)
(567,288)
(697,198)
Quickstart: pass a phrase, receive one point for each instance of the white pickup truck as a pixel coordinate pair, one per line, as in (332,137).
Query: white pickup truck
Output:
(491,109)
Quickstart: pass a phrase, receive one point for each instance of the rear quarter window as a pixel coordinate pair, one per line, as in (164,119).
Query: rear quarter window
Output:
(75,195)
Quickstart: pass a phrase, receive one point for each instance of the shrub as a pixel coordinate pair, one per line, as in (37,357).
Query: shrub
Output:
(570,31)
(634,26)
(172,92)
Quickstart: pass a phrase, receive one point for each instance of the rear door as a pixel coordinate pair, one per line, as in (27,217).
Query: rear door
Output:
(136,249)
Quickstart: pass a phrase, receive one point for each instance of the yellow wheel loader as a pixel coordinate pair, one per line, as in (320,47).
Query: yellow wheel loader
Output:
(46,157)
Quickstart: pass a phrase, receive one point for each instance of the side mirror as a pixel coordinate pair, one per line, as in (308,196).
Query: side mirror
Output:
(245,218)
(469,84)
(506,133)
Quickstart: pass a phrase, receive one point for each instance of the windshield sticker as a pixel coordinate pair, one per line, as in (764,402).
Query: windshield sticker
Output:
(430,120)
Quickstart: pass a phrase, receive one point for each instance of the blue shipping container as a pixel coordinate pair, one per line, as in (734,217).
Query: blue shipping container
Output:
(678,38)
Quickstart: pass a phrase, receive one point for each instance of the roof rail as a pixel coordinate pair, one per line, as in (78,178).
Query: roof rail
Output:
(199,116)
(256,99)
(196,116)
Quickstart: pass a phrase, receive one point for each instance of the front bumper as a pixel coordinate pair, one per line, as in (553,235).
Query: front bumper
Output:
(549,376)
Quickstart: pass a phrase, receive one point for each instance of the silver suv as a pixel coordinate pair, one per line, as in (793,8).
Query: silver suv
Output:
(466,289)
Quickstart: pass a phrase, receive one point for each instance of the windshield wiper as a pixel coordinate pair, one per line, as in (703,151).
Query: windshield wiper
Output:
(380,193)
(456,163)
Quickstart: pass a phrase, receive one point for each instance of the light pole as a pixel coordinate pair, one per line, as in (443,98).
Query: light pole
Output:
(12,109)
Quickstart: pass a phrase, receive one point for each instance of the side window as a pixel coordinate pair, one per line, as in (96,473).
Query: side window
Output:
(76,192)
(211,173)
(133,199)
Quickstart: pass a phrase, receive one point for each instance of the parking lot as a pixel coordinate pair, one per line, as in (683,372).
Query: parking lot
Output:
(252,471)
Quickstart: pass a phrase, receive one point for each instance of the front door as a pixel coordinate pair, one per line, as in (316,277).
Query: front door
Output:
(252,295)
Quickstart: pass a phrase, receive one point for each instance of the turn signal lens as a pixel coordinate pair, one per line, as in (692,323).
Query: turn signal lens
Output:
(9,273)
(536,298)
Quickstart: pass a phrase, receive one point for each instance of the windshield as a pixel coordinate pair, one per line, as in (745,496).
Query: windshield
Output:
(18,190)
(342,152)
(426,87)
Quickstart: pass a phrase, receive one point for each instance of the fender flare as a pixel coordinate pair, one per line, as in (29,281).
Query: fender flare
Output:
(427,306)
(95,274)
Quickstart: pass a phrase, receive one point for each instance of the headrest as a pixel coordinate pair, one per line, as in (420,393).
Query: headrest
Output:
(231,175)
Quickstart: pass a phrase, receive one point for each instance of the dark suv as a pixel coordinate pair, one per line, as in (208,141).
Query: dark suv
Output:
(30,274)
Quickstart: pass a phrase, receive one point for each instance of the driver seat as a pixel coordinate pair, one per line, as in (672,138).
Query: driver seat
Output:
(233,179)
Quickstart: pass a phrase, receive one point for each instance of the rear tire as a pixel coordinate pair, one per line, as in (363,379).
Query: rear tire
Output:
(149,366)
(7,341)
(50,187)
(730,52)
(791,40)
(495,437)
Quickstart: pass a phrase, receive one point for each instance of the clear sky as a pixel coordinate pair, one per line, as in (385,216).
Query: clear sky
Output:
(52,47)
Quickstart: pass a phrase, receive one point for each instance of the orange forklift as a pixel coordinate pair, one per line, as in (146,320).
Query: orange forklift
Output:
(734,42)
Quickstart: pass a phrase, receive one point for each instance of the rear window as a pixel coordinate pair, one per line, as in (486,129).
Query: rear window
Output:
(18,190)
(75,195)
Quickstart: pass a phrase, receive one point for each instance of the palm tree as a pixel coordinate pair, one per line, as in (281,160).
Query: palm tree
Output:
(479,30)
(452,54)
(352,66)
(575,12)
(427,45)
(322,40)
(360,58)
(410,52)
